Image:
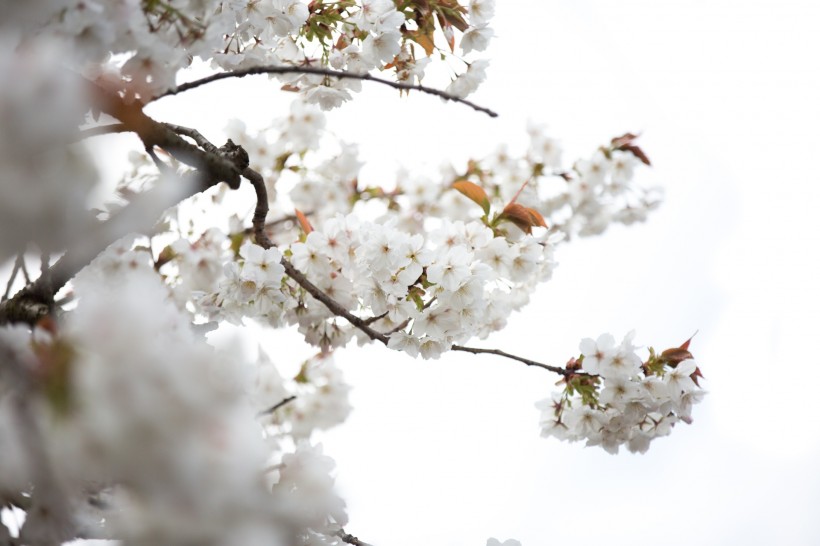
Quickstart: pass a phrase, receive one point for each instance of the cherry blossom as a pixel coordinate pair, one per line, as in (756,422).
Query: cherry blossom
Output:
(127,409)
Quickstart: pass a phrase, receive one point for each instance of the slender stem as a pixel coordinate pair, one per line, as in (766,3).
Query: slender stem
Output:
(332,304)
(320,71)
(260,213)
(350,539)
(276,406)
(17,264)
(335,307)
(103,130)
(161,166)
(527,361)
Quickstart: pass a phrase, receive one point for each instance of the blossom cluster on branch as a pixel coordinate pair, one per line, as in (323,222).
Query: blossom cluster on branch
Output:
(119,417)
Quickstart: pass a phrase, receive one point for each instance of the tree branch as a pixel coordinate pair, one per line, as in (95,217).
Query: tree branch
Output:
(332,304)
(320,71)
(32,302)
(49,520)
(19,262)
(336,308)
(527,361)
(103,130)
(214,167)
(276,406)
(350,539)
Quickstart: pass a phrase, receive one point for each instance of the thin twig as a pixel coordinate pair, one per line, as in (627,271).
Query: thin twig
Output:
(330,303)
(377,318)
(319,71)
(46,282)
(195,135)
(527,361)
(260,213)
(277,222)
(362,325)
(160,164)
(350,539)
(103,130)
(337,309)
(24,269)
(276,406)
(18,262)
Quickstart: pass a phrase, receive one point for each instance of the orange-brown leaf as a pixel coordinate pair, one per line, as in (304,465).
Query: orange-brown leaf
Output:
(676,355)
(627,138)
(473,192)
(521,216)
(537,219)
(303,221)
(637,152)
(425,40)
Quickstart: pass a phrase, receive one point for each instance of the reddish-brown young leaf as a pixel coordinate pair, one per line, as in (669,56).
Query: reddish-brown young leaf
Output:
(685,344)
(537,219)
(627,138)
(474,193)
(425,40)
(303,221)
(637,152)
(676,355)
(523,217)
(454,15)
(695,375)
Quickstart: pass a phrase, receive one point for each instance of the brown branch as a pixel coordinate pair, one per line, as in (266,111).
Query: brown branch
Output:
(320,71)
(260,213)
(336,308)
(377,318)
(161,166)
(18,264)
(363,325)
(103,130)
(332,304)
(274,223)
(350,539)
(32,303)
(195,135)
(49,520)
(214,167)
(276,406)
(527,361)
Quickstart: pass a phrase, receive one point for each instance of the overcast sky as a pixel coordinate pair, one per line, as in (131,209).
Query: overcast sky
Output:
(726,95)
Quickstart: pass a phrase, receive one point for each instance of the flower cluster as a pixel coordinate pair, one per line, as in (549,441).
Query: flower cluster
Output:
(611,398)
(157,432)
(178,432)
(152,40)
(426,293)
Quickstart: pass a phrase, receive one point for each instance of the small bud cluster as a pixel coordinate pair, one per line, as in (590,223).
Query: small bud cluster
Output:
(611,398)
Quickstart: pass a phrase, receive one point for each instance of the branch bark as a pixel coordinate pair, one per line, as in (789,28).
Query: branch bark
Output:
(319,71)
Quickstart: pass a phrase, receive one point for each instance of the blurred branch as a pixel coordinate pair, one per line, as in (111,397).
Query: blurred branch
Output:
(350,539)
(19,263)
(319,71)
(276,406)
(49,520)
(32,302)
(103,130)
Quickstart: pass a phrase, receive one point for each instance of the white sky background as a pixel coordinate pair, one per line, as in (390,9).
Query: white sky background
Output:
(727,97)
